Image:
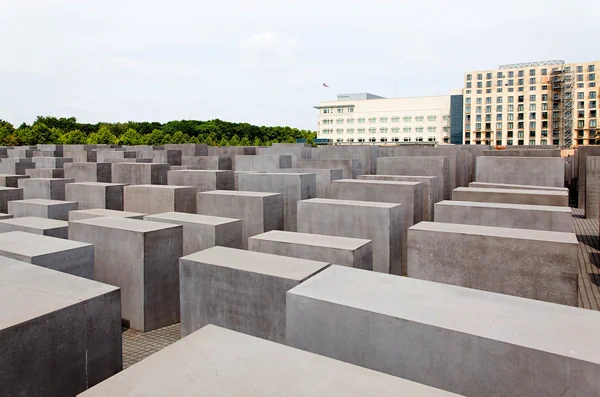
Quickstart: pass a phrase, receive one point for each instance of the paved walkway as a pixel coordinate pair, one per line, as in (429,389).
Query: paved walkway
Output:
(137,345)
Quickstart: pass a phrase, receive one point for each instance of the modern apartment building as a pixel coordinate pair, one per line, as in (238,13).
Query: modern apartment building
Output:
(539,103)
(367,118)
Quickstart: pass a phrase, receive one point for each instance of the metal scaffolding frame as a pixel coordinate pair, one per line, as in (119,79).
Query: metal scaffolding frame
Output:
(562,95)
(528,64)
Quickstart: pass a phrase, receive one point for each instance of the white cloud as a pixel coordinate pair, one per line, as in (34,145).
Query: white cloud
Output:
(269,50)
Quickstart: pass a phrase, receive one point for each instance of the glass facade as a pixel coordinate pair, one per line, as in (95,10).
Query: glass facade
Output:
(456,119)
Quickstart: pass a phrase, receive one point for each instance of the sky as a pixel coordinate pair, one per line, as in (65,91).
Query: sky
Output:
(263,62)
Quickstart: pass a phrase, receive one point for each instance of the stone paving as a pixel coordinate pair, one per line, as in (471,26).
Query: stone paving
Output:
(138,345)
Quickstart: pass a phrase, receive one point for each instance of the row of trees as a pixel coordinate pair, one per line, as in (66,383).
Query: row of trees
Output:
(67,131)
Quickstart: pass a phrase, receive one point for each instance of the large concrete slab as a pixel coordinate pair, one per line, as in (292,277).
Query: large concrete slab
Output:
(11,180)
(60,334)
(259,211)
(293,187)
(592,187)
(140,173)
(15,165)
(324,178)
(42,208)
(367,154)
(203,180)
(140,257)
(297,151)
(512,196)
(240,290)
(351,168)
(424,331)
(45,172)
(35,225)
(8,194)
(523,153)
(518,216)
(511,186)
(538,264)
(167,156)
(379,222)
(417,166)
(581,155)
(89,172)
(208,162)
(538,171)
(91,195)
(155,199)
(189,149)
(203,231)
(44,188)
(344,251)
(267,163)
(72,257)
(236,177)
(252,367)
(100,212)
(51,162)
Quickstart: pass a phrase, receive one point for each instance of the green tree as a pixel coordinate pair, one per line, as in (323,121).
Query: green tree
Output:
(155,138)
(75,137)
(258,142)
(245,141)
(131,137)
(224,142)
(166,139)
(235,141)
(103,136)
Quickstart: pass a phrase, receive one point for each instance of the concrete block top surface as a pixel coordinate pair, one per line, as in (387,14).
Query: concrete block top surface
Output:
(511,186)
(401,176)
(215,361)
(36,222)
(45,202)
(500,232)
(241,193)
(377,182)
(372,204)
(192,171)
(31,245)
(67,180)
(512,191)
(108,213)
(163,187)
(524,207)
(128,224)
(544,326)
(29,291)
(318,240)
(258,262)
(192,218)
(103,184)
(4,188)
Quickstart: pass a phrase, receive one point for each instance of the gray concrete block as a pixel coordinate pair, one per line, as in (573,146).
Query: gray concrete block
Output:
(231,152)
(417,166)
(297,151)
(538,171)
(8,180)
(433,189)
(240,290)
(35,225)
(523,153)
(344,251)
(266,163)
(189,149)
(259,211)
(592,187)
(155,199)
(20,152)
(51,162)
(203,180)
(518,216)
(367,154)
(581,155)
(379,222)
(89,172)
(42,208)
(64,329)
(511,186)
(100,212)
(203,231)
(209,162)
(236,177)
(196,366)
(81,156)
(140,257)
(8,194)
(91,195)
(140,173)
(539,265)
(351,168)
(112,156)
(324,178)
(45,172)
(15,165)
(5,216)
(72,257)
(293,187)
(512,196)
(44,188)
(171,157)
(424,332)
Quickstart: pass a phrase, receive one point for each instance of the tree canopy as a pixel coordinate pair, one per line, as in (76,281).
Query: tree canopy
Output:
(52,130)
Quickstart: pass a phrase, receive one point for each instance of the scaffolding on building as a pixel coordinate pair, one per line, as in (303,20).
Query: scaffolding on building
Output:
(561,80)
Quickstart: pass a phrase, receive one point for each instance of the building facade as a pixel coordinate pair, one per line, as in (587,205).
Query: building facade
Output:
(367,118)
(543,103)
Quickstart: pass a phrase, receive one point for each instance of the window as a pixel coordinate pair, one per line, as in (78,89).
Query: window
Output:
(339,130)
(350,121)
(350,130)
(532,125)
(372,139)
(592,77)
(478,117)
(544,132)
(499,99)
(499,116)
(467,109)
(446,118)
(498,108)
(580,105)
(580,85)
(478,101)
(511,99)
(419,118)
(511,74)
(351,110)
(544,72)
(419,139)
(395,139)
(340,110)
(488,109)
(468,127)
(418,129)
(592,104)
(580,123)
(350,140)
(326,111)
(479,76)
(488,100)
(511,82)
(446,129)
(488,76)
(580,95)
(339,140)
(361,130)
(395,119)
(383,130)
(469,77)
(372,130)
(532,88)
(579,69)
(431,118)
(468,100)
(511,116)
(592,94)
(520,134)
(532,107)
(406,129)
(372,120)
(383,139)
(520,108)
(479,84)
(383,119)
(521,82)
(339,121)
(488,83)
(511,108)
(532,98)
(591,68)
(396,129)
(579,77)
(361,120)
(478,126)
(430,129)
(532,80)
(406,139)
(498,126)
(532,141)
(499,83)
(406,119)
(593,124)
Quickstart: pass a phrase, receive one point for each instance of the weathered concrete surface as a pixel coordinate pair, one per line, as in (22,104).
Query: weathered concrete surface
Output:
(81,156)
(512,196)
(42,208)
(293,187)
(581,155)
(297,151)
(324,178)
(523,153)
(189,149)
(203,180)
(99,213)
(11,180)
(538,171)
(51,162)
(539,265)
(89,172)
(92,195)
(209,162)
(44,188)
(379,222)
(433,189)
(198,364)
(45,172)
(8,194)
(511,186)
(518,216)
(232,151)
(111,156)
(155,199)
(417,166)
(344,251)
(72,257)
(203,231)
(140,257)
(35,225)
(15,165)
(367,155)
(171,157)
(140,173)
(41,313)
(424,331)
(236,177)
(351,169)
(267,163)
(259,211)
(240,290)
(592,187)
(5,216)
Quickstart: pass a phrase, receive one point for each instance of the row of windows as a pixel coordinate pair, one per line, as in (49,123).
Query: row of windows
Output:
(521,73)
(532,98)
(521,82)
(384,119)
(532,107)
(531,88)
(382,130)
(339,110)
(532,125)
(532,116)
(520,142)
(384,139)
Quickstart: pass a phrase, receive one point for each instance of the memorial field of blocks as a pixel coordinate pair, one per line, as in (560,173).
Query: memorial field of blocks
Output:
(338,270)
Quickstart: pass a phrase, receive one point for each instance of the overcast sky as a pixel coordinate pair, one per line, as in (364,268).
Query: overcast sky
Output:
(263,62)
